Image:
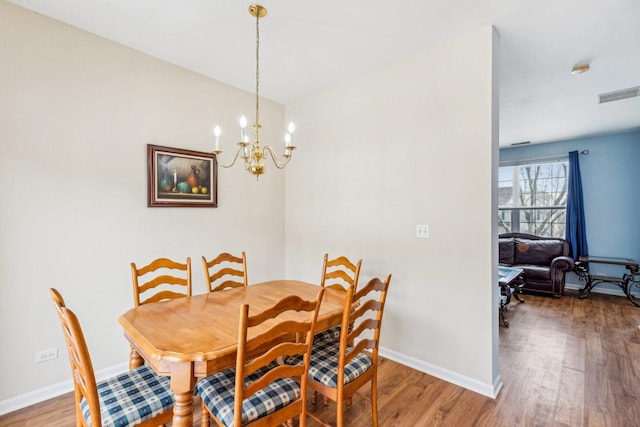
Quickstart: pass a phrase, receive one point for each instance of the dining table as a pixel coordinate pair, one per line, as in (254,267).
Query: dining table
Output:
(193,337)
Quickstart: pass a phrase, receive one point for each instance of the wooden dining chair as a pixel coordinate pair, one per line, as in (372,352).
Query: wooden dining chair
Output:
(135,398)
(338,273)
(339,369)
(260,391)
(221,271)
(158,281)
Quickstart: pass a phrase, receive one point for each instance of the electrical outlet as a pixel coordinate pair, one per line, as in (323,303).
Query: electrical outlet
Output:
(422,231)
(43,356)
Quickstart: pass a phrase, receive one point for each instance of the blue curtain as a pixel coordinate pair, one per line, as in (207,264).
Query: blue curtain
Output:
(576,233)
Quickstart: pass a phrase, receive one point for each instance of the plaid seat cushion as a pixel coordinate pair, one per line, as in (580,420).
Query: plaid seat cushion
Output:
(329,334)
(324,363)
(217,393)
(132,397)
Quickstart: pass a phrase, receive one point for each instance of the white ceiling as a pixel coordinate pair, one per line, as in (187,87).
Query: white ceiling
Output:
(309,46)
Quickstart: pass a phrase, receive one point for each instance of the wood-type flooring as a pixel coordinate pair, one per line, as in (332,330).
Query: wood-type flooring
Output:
(564,362)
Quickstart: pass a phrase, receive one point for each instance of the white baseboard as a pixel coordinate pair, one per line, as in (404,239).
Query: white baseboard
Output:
(489,390)
(54,390)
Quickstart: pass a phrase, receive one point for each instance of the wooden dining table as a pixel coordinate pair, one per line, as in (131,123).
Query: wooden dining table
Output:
(194,337)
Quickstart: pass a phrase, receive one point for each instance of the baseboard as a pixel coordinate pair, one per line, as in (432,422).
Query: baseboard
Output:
(54,390)
(489,390)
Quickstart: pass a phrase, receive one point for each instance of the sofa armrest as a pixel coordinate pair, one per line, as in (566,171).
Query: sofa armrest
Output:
(559,266)
(562,263)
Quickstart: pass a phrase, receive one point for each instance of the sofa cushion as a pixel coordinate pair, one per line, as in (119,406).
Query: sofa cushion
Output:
(506,247)
(537,252)
(535,272)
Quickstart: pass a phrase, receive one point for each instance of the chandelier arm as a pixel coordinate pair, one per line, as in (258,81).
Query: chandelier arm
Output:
(240,149)
(272,153)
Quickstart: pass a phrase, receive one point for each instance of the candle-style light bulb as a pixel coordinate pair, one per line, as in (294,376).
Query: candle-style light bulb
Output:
(288,138)
(216,132)
(243,128)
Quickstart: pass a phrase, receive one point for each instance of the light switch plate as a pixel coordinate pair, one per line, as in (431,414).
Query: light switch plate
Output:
(422,231)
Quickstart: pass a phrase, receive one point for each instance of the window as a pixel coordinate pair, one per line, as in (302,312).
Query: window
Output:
(532,198)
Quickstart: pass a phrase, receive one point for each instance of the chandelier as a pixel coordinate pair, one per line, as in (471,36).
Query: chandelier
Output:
(253,153)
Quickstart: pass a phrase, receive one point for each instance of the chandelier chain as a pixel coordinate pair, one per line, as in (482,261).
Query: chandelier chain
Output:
(257,71)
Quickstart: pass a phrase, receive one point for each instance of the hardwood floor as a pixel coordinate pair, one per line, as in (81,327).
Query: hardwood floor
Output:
(564,362)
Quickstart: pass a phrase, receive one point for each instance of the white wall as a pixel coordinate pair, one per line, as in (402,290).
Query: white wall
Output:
(76,113)
(415,143)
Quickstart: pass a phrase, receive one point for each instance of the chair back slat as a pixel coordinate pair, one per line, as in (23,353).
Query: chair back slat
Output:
(162,263)
(365,325)
(227,272)
(165,279)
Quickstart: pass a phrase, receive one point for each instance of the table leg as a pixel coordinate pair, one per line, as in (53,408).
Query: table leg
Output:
(629,281)
(584,292)
(582,271)
(517,286)
(516,293)
(503,308)
(183,409)
(182,382)
(505,298)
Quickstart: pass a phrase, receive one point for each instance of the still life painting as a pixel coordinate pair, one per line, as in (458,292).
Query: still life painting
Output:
(179,177)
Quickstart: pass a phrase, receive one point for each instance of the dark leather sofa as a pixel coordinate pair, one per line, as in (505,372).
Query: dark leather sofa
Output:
(544,260)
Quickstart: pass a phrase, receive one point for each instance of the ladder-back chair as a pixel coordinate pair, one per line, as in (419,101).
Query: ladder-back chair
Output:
(135,398)
(259,391)
(339,368)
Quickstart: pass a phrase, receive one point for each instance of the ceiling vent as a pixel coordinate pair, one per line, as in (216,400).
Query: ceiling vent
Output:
(618,95)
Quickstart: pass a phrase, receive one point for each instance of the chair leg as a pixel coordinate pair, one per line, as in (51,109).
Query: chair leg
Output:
(374,401)
(348,401)
(325,400)
(204,414)
(340,412)
(314,396)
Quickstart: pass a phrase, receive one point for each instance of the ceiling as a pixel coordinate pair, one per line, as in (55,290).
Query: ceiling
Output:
(309,46)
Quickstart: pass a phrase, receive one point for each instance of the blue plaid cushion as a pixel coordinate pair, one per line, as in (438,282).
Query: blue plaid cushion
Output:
(217,393)
(329,334)
(324,363)
(132,397)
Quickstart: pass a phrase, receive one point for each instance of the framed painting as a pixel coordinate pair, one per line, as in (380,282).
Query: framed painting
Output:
(181,178)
